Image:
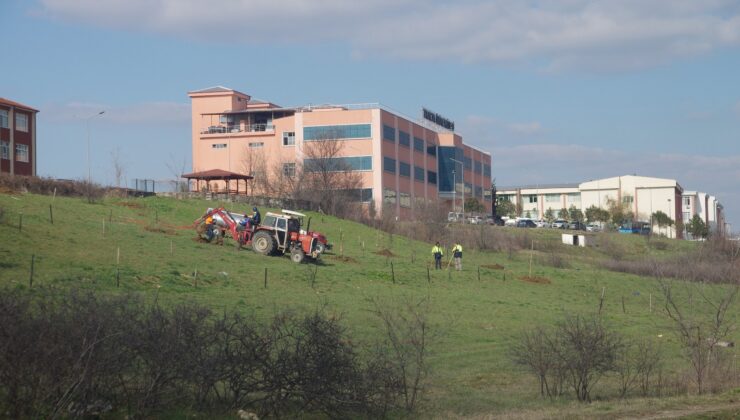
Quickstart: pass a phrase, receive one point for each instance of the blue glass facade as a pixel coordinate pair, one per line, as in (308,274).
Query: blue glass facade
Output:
(446,166)
(332,132)
(432,177)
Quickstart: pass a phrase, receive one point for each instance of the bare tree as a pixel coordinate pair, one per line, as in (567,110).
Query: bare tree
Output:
(699,335)
(119,166)
(254,164)
(326,178)
(177,168)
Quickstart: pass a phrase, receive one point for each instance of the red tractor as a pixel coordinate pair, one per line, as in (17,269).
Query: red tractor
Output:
(277,234)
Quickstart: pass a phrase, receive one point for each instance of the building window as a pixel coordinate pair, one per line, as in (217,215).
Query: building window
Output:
(389,133)
(468,188)
(419,174)
(404,169)
(4,118)
(487,195)
(486,170)
(340,164)
(288,138)
(335,132)
(218,146)
(627,199)
(289,169)
(686,201)
(404,139)
(468,163)
(256,144)
(389,196)
(4,150)
(478,167)
(404,199)
(532,198)
(21,152)
(418,144)
(552,198)
(21,122)
(479,192)
(432,150)
(506,197)
(432,177)
(389,165)
(576,198)
(362,195)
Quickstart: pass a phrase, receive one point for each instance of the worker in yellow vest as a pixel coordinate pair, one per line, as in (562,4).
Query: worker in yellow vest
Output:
(457,254)
(437,253)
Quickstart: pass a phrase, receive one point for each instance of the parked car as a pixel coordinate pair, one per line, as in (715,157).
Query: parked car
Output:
(541,223)
(510,222)
(525,223)
(560,224)
(576,225)
(475,220)
(454,217)
(593,227)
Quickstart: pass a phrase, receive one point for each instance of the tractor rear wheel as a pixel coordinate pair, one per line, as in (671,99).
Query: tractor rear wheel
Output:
(297,255)
(320,247)
(263,243)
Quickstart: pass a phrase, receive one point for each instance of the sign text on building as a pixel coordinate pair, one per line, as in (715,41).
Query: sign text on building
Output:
(438,119)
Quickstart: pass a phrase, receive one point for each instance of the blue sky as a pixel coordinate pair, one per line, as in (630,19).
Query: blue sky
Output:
(558,90)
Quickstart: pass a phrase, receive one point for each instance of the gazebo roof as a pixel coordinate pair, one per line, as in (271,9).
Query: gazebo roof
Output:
(214,174)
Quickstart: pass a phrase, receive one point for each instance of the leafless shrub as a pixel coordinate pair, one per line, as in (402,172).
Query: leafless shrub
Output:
(554,259)
(47,186)
(79,355)
(635,366)
(611,247)
(699,336)
(407,334)
(580,350)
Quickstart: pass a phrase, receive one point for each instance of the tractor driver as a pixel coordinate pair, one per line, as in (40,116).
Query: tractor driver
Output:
(256,218)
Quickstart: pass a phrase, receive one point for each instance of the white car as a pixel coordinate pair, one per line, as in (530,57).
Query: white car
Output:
(541,223)
(475,220)
(560,224)
(510,222)
(454,217)
(593,227)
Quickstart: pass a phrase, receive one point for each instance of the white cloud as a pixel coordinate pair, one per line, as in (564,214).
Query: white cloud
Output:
(558,34)
(143,113)
(528,129)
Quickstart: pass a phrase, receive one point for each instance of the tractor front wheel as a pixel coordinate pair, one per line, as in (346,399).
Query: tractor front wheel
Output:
(297,255)
(263,243)
(320,247)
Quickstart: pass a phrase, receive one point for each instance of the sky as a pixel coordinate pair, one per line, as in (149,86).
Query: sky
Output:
(558,90)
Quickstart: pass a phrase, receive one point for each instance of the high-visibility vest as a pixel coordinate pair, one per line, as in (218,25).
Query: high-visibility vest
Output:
(437,250)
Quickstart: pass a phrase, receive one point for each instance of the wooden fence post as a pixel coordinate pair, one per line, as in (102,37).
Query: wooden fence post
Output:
(429,278)
(265,277)
(51,215)
(20,222)
(393,273)
(601,300)
(30,279)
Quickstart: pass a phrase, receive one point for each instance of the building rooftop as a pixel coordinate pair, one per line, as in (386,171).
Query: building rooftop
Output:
(536,186)
(8,102)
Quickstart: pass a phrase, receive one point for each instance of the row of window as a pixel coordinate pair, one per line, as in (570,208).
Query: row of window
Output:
(404,139)
(553,198)
(404,169)
(21,151)
(390,196)
(21,120)
(335,132)
(338,164)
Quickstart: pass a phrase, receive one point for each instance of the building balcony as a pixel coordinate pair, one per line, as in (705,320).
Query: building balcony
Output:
(238,128)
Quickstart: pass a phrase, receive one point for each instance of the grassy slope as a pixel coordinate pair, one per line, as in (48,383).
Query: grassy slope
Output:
(471,371)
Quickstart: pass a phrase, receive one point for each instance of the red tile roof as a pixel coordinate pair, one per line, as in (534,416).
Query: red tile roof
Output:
(8,102)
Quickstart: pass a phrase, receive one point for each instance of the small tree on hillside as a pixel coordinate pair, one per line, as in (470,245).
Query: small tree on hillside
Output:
(519,208)
(575,214)
(473,205)
(697,228)
(618,211)
(550,215)
(505,208)
(661,219)
(597,214)
(563,213)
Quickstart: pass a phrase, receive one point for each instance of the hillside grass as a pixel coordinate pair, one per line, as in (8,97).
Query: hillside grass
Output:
(471,371)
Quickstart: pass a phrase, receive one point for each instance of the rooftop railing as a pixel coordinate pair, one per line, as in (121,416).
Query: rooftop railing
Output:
(237,128)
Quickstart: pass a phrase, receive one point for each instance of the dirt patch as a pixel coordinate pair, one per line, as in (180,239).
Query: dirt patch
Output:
(159,229)
(493,266)
(6,190)
(183,227)
(385,252)
(535,279)
(130,204)
(344,259)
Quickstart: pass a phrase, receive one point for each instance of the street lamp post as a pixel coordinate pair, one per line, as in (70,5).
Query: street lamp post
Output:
(463,188)
(87,124)
(454,193)
(670,215)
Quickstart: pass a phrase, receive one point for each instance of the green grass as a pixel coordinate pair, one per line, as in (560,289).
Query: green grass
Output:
(470,370)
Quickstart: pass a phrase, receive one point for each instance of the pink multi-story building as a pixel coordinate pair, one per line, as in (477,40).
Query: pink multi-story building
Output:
(401,161)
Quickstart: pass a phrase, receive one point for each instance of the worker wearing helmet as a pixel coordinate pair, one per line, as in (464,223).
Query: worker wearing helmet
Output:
(457,252)
(437,253)
(210,226)
(256,218)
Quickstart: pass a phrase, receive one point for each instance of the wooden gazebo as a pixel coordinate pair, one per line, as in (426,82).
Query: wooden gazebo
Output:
(218,175)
